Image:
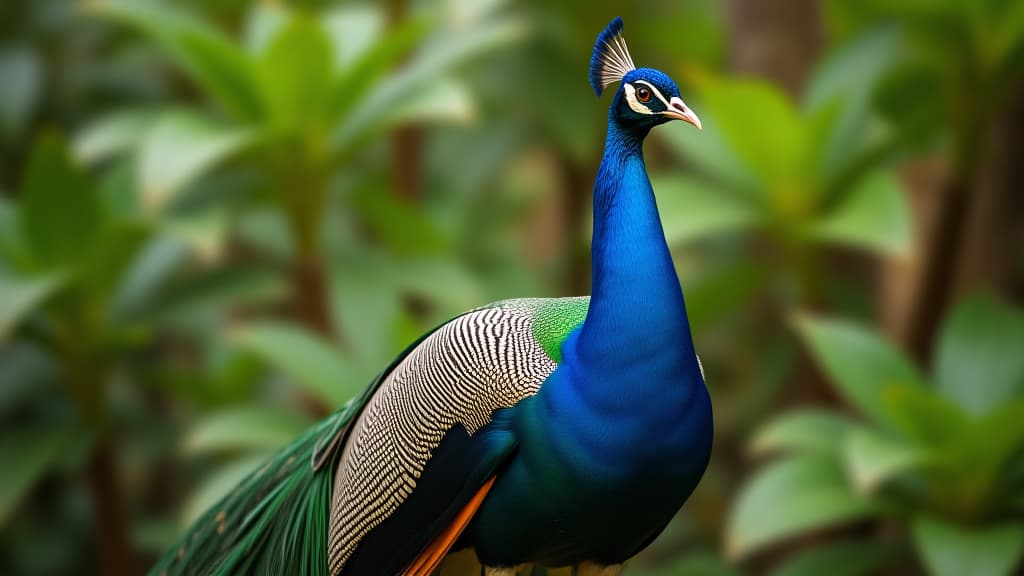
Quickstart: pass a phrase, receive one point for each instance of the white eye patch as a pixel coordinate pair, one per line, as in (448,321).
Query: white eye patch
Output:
(635,104)
(638,106)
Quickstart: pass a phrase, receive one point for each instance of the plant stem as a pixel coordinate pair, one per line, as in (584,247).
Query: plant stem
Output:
(111,531)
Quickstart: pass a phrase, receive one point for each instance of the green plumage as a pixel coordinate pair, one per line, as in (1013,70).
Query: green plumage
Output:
(554,319)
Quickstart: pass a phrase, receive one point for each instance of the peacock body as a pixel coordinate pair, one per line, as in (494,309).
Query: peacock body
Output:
(558,432)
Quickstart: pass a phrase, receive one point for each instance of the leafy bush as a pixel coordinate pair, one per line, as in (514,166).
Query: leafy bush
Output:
(941,458)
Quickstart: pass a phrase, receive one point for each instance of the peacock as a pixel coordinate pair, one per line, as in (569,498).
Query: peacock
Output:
(549,432)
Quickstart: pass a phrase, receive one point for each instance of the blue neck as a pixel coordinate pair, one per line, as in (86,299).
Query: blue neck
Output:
(636,297)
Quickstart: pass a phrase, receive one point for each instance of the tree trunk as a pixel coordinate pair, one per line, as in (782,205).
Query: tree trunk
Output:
(778,40)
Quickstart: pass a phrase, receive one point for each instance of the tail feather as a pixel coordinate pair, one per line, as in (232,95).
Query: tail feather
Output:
(274,522)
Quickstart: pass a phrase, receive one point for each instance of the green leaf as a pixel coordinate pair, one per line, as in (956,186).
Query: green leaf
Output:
(248,428)
(112,134)
(217,485)
(309,361)
(843,558)
(911,97)
(951,550)
(791,497)
(861,366)
(210,59)
(711,153)
(354,31)
(295,73)
(362,67)
(263,22)
(847,78)
(874,458)
(924,415)
(376,111)
(803,430)
(19,296)
(61,214)
(979,363)
(872,215)
(21,70)
(179,148)
(691,210)
(205,233)
(762,126)
(27,456)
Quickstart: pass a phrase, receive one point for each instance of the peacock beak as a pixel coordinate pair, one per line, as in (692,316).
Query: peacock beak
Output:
(678,110)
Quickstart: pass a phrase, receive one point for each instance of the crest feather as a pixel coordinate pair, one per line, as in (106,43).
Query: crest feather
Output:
(611,60)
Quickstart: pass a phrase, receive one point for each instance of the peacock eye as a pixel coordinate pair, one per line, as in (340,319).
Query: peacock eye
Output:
(643,94)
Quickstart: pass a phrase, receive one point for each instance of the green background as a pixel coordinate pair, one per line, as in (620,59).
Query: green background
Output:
(219,219)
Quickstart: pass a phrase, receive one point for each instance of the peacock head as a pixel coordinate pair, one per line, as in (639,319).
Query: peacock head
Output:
(647,97)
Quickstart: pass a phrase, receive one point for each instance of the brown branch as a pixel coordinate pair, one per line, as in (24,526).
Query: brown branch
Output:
(115,554)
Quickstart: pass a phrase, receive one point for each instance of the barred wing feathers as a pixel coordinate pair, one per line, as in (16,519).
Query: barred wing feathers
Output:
(374,483)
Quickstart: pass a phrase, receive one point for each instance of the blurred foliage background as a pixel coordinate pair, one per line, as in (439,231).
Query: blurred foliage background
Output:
(219,219)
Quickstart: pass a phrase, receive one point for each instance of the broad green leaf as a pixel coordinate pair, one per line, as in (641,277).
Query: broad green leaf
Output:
(262,24)
(112,134)
(712,153)
(911,97)
(762,126)
(860,365)
(723,292)
(445,283)
(362,70)
(19,296)
(151,268)
(248,428)
(983,456)
(354,30)
(12,249)
(792,497)
(308,360)
(416,77)
(209,58)
(401,227)
(873,458)
(21,71)
(27,455)
(843,558)
(925,415)
(691,210)
(217,485)
(847,78)
(104,266)
(295,73)
(196,304)
(951,550)
(442,100)
(803,430)
(979,364)
(872,215)
(61,214)
(179,148)
(205,233)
